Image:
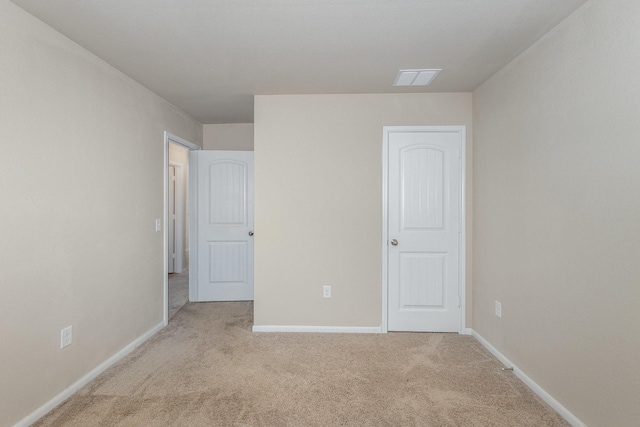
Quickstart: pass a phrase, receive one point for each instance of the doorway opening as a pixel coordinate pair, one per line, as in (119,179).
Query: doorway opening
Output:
(177,203)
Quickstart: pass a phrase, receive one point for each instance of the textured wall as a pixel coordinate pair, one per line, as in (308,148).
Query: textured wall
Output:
(235,136)
(318,207)
(557,212)
(82,161)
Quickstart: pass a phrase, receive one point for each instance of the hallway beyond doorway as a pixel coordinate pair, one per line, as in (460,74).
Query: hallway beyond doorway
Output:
(178,292)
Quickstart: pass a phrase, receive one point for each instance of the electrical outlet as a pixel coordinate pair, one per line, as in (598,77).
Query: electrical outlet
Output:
(66,337)
(326,291)
(498,309)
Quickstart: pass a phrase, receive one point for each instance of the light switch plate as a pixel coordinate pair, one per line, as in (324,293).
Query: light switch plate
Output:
(326,291)
(66,337)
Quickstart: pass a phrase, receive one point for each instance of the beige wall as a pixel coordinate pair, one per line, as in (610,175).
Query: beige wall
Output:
(557,212)
(318,205)
(235,136)
(82,166)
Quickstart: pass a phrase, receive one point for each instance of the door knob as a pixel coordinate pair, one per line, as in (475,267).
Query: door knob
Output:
(394,242)
(251,233)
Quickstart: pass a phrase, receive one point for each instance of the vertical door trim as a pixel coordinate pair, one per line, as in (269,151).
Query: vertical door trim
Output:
(180,217)
(193,225)
(462,236)
(170,138)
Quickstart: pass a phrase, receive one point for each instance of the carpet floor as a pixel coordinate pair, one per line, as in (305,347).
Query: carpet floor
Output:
(208,369)
(178,292)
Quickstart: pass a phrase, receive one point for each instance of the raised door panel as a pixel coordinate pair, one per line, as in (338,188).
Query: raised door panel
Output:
(227,262)
(421,281)
(422,188)
(228,193)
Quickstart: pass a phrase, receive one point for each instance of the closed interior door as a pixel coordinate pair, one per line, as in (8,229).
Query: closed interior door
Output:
(225,226)
(423,226)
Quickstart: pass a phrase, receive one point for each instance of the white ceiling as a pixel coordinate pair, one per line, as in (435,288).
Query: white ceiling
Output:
(209,57)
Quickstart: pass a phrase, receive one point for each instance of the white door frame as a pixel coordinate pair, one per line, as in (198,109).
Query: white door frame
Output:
(178,262)
(170,138)
(193,225)
(462,284)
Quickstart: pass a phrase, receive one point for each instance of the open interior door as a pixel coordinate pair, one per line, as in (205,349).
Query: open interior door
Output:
(225,225)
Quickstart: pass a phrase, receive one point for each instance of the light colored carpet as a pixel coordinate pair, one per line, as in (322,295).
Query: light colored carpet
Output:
(178,292)
(208,369)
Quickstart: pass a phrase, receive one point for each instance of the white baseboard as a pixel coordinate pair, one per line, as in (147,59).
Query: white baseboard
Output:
(320,329)
(557,406)
(73,388)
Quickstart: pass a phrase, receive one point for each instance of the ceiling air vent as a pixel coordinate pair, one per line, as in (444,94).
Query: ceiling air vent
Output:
(416,77)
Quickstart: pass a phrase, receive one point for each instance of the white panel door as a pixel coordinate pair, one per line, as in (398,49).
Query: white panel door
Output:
(225,226)
(423,226)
